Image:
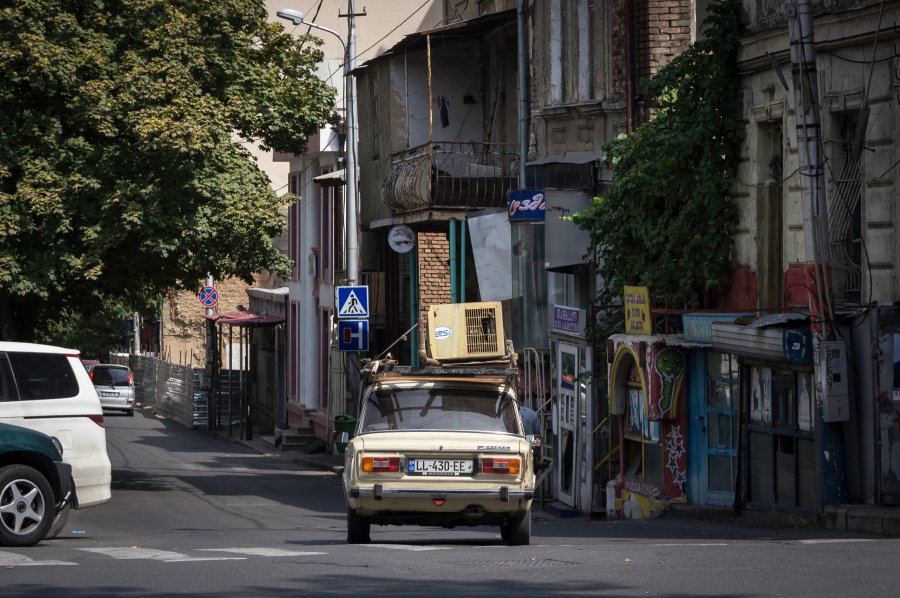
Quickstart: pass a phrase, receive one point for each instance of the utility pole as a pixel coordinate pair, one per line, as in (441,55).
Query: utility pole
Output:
(350,169)
(829,356)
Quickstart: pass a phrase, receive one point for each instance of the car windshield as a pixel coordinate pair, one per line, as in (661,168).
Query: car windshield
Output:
(105,376)
(440,408)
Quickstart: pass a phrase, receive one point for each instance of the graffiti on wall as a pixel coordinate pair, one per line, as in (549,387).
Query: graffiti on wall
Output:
(676,460)
(666,382)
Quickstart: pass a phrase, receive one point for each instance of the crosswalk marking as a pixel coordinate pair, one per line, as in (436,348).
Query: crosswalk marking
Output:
(408,547)
(166,556)
(11,559)
(272,552)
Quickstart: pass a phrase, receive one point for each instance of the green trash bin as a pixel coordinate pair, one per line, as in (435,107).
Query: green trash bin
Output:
(344,423)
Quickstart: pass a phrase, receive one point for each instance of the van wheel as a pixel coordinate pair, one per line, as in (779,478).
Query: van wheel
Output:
(26,506)
(130,412)
(357,528)
(517,532)
(59,522)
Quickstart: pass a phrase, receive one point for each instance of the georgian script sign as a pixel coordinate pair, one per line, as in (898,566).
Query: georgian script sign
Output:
(525,204)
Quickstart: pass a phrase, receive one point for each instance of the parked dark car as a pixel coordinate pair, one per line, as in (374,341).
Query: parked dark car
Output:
(35,485)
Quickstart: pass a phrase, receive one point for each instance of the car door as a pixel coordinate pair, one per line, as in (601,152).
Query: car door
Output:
(10,408)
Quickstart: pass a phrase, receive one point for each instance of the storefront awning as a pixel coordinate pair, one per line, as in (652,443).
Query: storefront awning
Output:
(245,318)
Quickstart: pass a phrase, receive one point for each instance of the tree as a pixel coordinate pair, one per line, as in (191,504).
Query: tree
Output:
(122,172)
(668,217)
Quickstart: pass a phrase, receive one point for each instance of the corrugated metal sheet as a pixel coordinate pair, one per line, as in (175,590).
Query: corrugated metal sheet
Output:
(764,343)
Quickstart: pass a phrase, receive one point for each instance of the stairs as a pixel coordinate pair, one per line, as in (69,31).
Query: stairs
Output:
(294,439)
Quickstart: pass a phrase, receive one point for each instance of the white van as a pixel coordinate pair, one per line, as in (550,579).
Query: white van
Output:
(47,389)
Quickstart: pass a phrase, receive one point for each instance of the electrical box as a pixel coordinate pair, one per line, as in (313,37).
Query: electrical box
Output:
(834,381)
(461,331)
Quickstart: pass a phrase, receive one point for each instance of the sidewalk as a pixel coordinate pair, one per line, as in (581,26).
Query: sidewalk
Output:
(869,519)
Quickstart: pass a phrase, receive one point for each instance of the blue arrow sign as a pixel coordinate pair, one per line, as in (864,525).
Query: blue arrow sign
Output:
(353,335)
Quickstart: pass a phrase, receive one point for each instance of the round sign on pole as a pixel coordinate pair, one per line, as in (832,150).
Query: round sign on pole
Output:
(401,238)
(208,296)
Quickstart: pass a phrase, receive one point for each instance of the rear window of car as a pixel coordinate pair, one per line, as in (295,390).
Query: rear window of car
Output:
(438,408)
(109,376)
(42,376)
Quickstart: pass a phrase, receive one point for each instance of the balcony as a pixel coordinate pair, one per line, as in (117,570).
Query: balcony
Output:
(450,176)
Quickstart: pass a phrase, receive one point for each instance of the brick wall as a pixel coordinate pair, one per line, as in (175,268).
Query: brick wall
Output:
(663,30)
(434,269)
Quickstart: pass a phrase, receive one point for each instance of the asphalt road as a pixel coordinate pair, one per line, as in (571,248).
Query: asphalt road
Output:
(193,514)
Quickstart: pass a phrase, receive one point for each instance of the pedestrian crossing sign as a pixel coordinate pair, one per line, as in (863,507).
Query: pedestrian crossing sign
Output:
(353,302)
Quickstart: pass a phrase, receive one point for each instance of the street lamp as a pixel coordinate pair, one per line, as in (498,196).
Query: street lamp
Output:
(352,228)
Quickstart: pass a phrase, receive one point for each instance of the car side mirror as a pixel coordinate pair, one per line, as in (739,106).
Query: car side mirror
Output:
(340,437)
(529,438)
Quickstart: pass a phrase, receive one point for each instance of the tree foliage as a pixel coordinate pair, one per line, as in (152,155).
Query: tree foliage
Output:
(667,219)
(121,170)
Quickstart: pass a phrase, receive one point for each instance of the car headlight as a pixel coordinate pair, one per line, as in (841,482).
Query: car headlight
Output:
(57,444)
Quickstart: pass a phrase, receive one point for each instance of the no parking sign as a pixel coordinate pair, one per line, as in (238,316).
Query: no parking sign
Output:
(208,296)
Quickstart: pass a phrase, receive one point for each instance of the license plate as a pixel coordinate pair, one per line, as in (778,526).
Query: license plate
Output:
(106,393)
(447,467)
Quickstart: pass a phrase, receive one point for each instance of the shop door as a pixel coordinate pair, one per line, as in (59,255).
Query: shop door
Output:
(713,395)
(567,423)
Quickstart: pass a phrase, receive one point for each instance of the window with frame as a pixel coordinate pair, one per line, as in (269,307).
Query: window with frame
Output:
(42,376)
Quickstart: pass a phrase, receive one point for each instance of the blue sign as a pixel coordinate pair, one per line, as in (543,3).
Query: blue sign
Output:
(796,343)
(352,302)
(353,335)
(208,296)
(568,320)
(525,204)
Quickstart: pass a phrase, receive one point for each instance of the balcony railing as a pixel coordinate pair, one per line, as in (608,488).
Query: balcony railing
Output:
(450,175)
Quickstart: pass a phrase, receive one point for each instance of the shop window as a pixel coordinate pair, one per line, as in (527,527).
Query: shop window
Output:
(643,451)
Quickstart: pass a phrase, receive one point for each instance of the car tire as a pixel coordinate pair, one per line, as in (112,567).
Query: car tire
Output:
(26,506)
(59,522)
(357,528)
(130,413)
(517,532)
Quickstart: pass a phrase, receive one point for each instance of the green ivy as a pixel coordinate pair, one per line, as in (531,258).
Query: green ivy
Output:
(667,220)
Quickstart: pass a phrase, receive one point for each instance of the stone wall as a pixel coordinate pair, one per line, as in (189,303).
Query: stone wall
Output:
(183,321)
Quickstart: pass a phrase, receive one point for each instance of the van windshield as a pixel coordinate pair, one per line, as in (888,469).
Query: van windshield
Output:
(107,376)
(440,408)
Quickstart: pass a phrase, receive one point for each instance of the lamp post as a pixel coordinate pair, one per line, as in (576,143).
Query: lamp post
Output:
(352,227)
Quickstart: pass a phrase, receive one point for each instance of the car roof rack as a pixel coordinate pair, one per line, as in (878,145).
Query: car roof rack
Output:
(383,369)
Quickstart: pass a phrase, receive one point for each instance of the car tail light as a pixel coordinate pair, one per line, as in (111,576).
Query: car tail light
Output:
(381,464)
(505,465)
(91,374)
(97,419)
(130,380)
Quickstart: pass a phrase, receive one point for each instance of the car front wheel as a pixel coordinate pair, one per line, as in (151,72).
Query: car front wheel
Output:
(517,531)
(26,506)
(357,528)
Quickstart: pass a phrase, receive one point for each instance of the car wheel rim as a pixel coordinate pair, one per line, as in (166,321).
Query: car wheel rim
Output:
(22,507)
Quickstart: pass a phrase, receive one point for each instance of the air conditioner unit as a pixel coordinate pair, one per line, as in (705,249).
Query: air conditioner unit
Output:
(466,331)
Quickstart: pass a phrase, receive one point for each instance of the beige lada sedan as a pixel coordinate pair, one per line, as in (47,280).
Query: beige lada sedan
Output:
(439,446)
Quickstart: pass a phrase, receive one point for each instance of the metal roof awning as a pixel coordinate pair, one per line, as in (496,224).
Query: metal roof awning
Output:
(331,179)
(474,28)
(567,158)
(245,318)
